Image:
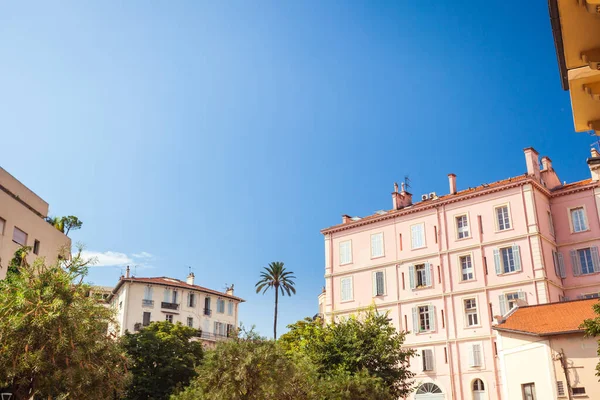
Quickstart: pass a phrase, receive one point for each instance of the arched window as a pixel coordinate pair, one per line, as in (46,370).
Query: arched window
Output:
(478,385)
(427,388)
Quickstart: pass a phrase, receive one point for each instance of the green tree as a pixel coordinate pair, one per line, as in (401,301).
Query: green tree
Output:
(53,337)
(275,276)
(592,329)
(367,342)
(163,359)
(65,224)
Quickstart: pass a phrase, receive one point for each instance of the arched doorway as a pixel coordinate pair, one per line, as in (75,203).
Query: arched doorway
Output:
(429,391)
(478,390)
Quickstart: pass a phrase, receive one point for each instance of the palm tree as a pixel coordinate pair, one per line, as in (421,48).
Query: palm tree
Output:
(275,276)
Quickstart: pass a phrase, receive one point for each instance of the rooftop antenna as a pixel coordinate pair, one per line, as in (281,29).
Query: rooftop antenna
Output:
(135,270)
(406,182)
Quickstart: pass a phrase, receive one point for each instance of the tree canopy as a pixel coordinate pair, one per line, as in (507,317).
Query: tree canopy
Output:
(163,359)
(276,277)
(53,336)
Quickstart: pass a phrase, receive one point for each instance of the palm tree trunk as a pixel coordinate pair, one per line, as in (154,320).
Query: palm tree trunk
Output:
(275,319)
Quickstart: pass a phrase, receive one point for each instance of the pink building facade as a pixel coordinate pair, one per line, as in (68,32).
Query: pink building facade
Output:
(446,267)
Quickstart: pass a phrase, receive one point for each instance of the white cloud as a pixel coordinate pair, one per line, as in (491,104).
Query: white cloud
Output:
(143,254)
(107,258)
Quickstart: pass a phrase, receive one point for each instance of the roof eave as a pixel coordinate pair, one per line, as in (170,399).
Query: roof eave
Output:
(558,42)
(537,334)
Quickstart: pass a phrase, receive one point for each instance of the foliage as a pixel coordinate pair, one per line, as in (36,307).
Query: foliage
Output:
(53,337)
(65,224)
(275,276)
(592,329)
(164,357)
(367,342)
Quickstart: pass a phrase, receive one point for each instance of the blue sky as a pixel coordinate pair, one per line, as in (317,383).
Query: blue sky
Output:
(225,135)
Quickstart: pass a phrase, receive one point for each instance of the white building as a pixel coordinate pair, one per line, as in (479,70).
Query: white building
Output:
(140,301)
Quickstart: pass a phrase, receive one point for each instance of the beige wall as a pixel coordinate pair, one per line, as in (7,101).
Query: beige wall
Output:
(531,359)
(130,309)
(16,214)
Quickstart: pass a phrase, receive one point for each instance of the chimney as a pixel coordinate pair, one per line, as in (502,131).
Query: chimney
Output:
(230,290)
(396,198)
(546,163)
(402,199)
(190,278)
(452,183)
(346,218)
(594,164)
(127,272)
(532,162)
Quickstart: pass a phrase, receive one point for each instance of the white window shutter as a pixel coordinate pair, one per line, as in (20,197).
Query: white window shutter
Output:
(411,276)
(517,257)
(413,236)
(497,262)
(503,305)
(428,272)
(561,265)
(595,258)
(432,318)
(471,356)
(476,355)
(415,318)
(522,295)
(575,262)
(167,293)
(374,279)
(380,283)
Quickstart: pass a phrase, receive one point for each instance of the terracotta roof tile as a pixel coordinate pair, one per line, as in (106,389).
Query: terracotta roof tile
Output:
(163,280)
(574,185)
(550,319)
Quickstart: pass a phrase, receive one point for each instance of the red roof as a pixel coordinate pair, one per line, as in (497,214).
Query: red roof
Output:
(166,281)
(549,319)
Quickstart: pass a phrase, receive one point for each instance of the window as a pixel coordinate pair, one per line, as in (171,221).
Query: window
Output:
(2,223)
(230,308)
(428,388)
(507,260)
(560,388)
(551,224)
(169,317)
(590,296)
(578,220)
(170,296)
(419,275)
(508,301)
(502,218)
(346,291)
(148,293)
(377,245)
(475,356)
(190,322)
(207,310)
(345,252)
(191,299)
(462,227)
(585,261)
(19,237)
(466,267)
(423,318)
(578,390)
(36,247)
(559,264)
(146,318)
(528,391)
(471,315)
(220,306)
(417,236)
(427,357)
(478,386)
(220,329)
(378,283)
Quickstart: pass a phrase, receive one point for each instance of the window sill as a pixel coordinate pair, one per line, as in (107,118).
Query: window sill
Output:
(346,301)
(421,287)
(510,273)
(582,274)
(574,233)
(473,327)
(467,281)
(377,257)
(465,238)
(504,230)
(379,296)
(419,248)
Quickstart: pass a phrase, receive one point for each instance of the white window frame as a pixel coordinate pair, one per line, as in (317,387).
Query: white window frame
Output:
(458,230)
(343,260)
(585,218)
(380,236)
(413,246)
(351,296)
(427,365)
(476,358)
(374,283)
(430,318)
(472,311)
(188,322)
(497,223)
(230,307)
(472,268)
(511,301)
(169,317)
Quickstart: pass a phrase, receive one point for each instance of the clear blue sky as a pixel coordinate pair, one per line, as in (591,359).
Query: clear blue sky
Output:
(225,135)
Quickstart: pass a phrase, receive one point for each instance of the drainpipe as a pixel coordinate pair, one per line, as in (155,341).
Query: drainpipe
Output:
(563,364)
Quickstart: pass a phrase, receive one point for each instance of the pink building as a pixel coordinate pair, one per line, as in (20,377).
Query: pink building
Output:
(444,267)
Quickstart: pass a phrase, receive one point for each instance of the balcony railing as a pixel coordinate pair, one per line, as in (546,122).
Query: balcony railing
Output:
(147,303)
(212,336)
(170,306)
(207,311)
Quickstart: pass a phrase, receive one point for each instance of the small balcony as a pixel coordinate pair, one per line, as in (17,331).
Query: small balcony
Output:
(148,303)
(208,312)
(212,336)
(169,306)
